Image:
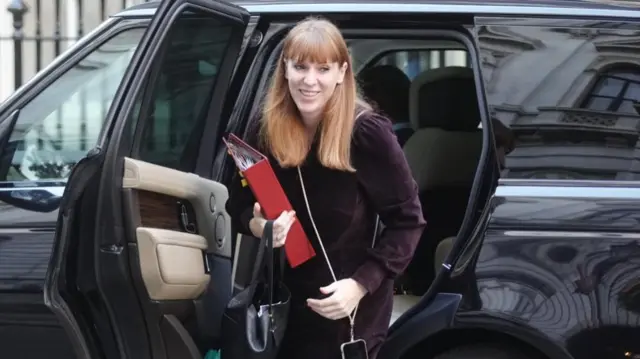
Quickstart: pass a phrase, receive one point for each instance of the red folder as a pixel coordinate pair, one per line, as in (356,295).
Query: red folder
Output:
(255,168)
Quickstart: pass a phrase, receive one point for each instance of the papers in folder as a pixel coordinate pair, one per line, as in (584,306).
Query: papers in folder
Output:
(243,158)
(265,186)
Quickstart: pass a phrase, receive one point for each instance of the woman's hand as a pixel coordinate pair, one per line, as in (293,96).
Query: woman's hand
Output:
(345,295)
(281,225)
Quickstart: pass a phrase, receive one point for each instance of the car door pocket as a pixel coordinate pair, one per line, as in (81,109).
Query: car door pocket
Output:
(172,263)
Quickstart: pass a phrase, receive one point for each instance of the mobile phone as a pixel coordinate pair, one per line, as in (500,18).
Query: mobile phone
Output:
(356,349)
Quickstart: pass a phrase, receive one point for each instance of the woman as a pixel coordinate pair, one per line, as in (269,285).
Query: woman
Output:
(352,169)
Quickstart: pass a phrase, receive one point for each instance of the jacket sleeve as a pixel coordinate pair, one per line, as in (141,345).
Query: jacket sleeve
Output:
(241,200)
(384,174)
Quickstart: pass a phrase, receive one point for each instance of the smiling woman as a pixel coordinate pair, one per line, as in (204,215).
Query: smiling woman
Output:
(314,83)
(341,166)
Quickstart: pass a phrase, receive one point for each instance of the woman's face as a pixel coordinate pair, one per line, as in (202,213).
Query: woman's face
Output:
(311,86)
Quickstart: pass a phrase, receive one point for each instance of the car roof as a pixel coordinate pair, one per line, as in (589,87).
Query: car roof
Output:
(628,9)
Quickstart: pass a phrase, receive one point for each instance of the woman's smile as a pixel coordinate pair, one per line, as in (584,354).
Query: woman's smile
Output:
(309,94)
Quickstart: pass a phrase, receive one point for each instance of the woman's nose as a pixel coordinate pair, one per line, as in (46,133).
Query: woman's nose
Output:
(310,78)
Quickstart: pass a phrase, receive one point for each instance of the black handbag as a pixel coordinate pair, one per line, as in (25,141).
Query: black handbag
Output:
(255,319)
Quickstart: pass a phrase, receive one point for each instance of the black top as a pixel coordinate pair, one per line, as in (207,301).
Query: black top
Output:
(344,207)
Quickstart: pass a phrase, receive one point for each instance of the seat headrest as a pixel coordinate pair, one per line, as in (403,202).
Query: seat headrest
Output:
(389,87)
(444,98)
(388,73)
(439,157)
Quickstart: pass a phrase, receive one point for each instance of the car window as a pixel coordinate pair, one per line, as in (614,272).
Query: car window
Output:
(566,104)
(57,128)
(187,73)
(413,62)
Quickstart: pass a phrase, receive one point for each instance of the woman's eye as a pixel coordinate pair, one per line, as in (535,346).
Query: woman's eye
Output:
(298,67)
(324,69)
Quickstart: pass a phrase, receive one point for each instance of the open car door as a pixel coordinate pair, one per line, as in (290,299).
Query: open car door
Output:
(141,265)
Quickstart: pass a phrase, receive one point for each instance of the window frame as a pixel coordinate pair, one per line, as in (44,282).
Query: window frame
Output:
(572,100)
(616,100)
(48,77)
(141,124)
(77,99)
(373,60)
(67,60)
(487,156)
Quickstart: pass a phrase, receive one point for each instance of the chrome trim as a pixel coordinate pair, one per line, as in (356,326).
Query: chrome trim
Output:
(384,8)
(594,192)
(567,183)
(24,230)
(55,190)
(554,22)
(568,234)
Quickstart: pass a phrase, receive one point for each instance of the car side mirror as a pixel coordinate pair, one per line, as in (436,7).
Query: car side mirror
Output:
(32,199)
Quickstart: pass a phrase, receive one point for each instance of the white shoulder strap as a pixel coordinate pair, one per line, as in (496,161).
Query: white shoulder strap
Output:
(352,317)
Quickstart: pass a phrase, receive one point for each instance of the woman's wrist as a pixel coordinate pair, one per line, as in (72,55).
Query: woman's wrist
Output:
(256,225)
(361,288)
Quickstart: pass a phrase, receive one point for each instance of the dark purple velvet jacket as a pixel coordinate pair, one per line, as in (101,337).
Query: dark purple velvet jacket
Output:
(344,206)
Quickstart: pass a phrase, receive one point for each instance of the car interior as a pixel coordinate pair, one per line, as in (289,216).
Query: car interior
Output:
(442,142)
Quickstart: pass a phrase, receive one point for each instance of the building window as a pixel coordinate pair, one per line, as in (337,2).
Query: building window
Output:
(413,63)
(616,90)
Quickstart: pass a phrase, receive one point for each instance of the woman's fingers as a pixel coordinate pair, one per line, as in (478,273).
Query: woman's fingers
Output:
(257,210)
(281,227)
(284,221)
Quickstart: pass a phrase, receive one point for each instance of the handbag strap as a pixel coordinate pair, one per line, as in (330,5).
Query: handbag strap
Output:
(268,233)
(352,316)
(265,257)
(267,236)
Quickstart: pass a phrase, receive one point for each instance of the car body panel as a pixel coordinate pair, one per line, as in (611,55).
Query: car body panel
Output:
(27,327)
(565,278)
(126,322)
(558,259)
(561,263)
(438,316)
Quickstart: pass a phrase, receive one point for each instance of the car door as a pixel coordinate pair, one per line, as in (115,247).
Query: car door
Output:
(141,266)
(45,128)
(560,253)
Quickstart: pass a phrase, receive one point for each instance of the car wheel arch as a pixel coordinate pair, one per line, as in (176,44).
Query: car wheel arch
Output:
(453,338)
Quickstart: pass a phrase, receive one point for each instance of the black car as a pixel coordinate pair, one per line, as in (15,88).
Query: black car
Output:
(519,120)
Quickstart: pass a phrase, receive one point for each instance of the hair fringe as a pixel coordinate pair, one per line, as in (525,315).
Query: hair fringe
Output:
(282,131)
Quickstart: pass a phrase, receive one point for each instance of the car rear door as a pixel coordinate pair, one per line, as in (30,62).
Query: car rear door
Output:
(142,255)
(559,254)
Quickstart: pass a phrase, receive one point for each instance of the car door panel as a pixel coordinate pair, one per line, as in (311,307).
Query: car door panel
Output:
(560,236)
(207,198)
(173,262)
(160,252)
(32,179)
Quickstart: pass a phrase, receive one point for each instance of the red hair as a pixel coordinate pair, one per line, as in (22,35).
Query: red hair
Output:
(282,131)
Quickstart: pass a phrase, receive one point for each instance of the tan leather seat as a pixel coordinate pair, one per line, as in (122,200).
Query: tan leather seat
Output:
(443,155)
(402,303)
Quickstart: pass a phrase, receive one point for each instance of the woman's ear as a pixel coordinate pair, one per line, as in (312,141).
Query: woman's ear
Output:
(343,71)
